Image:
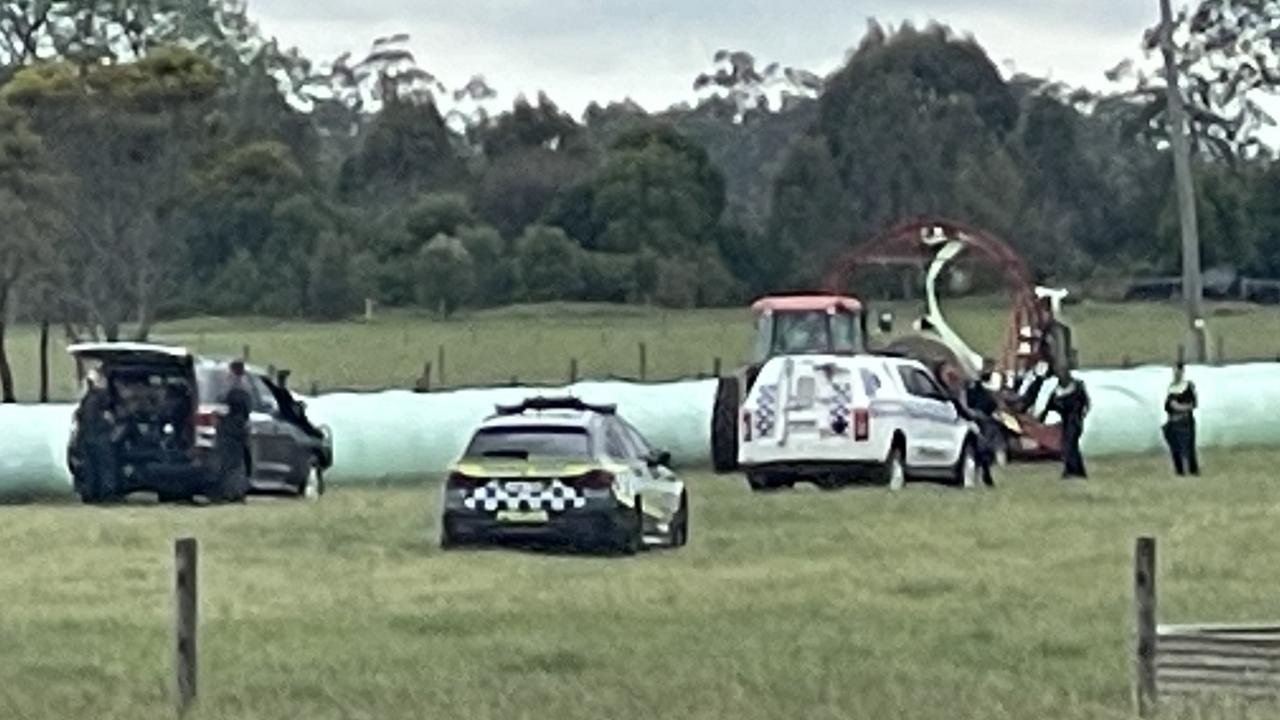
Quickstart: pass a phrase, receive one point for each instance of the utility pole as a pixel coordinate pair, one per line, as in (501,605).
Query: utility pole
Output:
(1192,285)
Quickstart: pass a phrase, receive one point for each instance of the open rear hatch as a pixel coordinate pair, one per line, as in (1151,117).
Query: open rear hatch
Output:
(153,398)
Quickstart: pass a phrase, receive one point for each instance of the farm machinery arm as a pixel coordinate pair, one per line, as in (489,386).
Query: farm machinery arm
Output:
(1035,344)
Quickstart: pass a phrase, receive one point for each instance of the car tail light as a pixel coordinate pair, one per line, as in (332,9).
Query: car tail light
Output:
(459,481)
(746,425)
(594,480)
(206,429)
(861,424)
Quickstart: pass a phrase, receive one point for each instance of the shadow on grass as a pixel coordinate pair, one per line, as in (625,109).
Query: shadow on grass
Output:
(558,662)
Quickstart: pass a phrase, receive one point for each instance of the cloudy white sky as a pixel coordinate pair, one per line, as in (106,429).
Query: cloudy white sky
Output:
(650,50)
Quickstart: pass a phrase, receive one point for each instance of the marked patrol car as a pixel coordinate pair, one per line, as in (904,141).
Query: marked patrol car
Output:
(562,469)
(833,419)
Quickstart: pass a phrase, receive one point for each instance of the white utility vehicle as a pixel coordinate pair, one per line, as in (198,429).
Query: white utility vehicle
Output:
(834,417)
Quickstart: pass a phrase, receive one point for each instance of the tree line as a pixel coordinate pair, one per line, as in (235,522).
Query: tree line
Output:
(166,159)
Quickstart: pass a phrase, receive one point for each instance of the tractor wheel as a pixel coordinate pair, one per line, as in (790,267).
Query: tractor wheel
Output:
(724,426)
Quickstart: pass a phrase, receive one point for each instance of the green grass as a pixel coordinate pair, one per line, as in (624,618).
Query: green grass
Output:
(1006,604)
(535,344)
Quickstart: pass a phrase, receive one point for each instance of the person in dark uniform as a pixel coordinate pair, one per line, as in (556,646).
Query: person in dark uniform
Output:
(982,403)
(958,388)
(1180,404)
(233,428)
(1071,401)
(96,428)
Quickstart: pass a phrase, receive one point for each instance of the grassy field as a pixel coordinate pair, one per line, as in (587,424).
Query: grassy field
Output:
(535,344)
(1007,604)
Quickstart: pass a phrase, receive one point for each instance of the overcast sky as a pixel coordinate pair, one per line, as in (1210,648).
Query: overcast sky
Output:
(650,50)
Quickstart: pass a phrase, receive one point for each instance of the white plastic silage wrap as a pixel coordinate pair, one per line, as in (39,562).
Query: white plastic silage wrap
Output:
(33,450)
(403,435)
(1237,407)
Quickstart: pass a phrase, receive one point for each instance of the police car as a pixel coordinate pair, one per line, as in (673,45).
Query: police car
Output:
(834,419)
(562,469)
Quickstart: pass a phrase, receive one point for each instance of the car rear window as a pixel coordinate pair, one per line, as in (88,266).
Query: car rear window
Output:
(213,383)
(524,442)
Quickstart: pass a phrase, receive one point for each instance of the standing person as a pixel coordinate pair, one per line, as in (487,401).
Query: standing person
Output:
(957,387)
(1071,401)
(982,403)
(1180,405)
(233,435)
(96,428)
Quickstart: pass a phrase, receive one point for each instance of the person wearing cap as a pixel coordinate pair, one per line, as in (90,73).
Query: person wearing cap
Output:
(1180,405)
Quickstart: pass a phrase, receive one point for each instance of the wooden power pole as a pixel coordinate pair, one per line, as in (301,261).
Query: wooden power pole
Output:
(1192,284)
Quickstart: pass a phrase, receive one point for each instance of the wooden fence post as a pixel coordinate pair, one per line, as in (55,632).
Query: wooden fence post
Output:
(644,361)
(44,360)
(1222,349)
(715,367)
(573,370)
(315,388)
(1144,588)
(244,353)
(185,587)
(424,381)
(440,365)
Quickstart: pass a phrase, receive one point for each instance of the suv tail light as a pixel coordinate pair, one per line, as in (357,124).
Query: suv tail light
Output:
(206,428)
(594,480)
(746,425)
(861,424)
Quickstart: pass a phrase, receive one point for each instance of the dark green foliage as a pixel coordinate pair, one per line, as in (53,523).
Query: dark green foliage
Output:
(408,150)
(446,274)
(231,201)
(550,263)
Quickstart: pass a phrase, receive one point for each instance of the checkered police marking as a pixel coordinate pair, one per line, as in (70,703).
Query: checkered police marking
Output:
(840,404)
(555,497)
(765,409)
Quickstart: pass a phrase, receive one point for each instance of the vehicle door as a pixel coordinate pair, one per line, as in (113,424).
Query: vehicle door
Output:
(662,486)
(269,442)
(930,417)
(623,462)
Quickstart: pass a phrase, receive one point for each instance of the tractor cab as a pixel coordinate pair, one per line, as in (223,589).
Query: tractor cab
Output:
(808,324)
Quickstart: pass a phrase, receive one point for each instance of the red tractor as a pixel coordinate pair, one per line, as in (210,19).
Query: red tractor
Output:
(1036,347)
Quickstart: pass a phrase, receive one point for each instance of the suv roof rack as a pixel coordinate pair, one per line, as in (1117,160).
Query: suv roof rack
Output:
(555,403)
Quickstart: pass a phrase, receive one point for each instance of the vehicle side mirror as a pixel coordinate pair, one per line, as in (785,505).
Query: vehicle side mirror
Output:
(659,458)
(885,322)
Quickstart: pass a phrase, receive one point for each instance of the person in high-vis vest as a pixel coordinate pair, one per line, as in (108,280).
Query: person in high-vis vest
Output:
(1180,404)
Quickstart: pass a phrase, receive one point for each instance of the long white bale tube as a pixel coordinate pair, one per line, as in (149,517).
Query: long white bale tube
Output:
(403,435)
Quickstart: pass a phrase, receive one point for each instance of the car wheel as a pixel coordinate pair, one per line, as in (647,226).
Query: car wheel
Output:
(966,472)
(724,426)
(680,524)
(313,486)
(895,469)
(629,533)
(448,540)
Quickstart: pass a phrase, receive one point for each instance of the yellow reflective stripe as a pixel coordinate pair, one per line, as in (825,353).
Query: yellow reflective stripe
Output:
(480,469)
